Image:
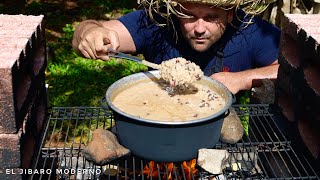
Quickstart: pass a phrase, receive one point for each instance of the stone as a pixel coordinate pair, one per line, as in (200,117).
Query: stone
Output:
(213,160)
(232,128)
(104,147)
(265,93)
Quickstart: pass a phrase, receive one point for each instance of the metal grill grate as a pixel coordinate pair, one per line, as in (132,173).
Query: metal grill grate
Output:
(264,153)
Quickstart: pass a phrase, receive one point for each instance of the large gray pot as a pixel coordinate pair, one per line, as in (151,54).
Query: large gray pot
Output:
(165,141)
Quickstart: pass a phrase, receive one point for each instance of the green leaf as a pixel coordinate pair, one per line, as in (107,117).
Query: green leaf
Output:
(69,92)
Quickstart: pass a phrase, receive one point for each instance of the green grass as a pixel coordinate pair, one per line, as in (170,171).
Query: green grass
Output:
(83,82)
(77,81)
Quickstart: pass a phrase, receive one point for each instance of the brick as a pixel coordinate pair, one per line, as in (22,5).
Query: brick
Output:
(285,66)
(22,66)
(305,82)
(11,174)
(28,149)
(312,74)
(304,29)
(39,112)
(19,25)
(284,80)
(10,150)
(289,49)
(21,58)
(30,97)
(288,26)
(33,128)
(7,112)
(39,61)
(286,105)
(23,87)
(310,135)
(293,24)
(10,50)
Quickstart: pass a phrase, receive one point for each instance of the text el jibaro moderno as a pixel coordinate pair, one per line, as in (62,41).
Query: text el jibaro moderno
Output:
(56,171)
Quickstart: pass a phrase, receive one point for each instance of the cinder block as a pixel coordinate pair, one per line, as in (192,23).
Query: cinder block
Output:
(28,150)
(11,174)
(311,75)
(10,150)
(39,111)
(284,80)
(22,57)
(293,24)
(304,29)
(33,127)
(23,87)
(289,49)
(285,104)
(310,135)
(7,110)
(19,25)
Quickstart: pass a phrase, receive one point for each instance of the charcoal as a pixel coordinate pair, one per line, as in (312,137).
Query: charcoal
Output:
(232,129)
(104,147)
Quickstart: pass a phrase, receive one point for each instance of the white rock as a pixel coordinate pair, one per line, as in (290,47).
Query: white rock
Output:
(212,160)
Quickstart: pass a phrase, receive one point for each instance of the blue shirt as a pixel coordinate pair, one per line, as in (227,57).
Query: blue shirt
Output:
(244,46)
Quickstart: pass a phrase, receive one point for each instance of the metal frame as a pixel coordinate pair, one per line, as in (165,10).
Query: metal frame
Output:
(264,153)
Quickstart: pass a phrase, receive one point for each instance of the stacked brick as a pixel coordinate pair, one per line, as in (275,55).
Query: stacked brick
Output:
(23,101)
(298,82)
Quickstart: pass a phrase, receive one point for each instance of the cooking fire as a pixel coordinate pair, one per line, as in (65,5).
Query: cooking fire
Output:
(187,171)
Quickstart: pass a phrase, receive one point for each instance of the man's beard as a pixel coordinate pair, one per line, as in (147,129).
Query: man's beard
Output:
(200,47)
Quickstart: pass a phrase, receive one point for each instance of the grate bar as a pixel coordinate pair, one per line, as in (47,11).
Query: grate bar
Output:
(264,153)
(264,140)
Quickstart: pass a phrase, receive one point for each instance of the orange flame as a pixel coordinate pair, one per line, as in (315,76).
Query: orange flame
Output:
(188,168)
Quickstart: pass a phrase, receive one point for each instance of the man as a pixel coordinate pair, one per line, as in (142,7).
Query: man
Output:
(228,45)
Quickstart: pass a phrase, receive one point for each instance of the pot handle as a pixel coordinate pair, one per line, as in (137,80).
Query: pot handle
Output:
(226,114)
(103,103)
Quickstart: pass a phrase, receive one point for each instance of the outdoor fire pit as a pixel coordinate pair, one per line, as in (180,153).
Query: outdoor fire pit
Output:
(264,153)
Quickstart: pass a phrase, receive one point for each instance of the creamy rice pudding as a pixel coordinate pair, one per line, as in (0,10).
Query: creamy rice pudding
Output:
(148,99)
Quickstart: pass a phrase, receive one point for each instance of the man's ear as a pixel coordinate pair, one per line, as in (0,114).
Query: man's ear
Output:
(230,15)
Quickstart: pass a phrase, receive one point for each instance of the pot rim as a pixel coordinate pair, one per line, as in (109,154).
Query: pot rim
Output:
(175,123)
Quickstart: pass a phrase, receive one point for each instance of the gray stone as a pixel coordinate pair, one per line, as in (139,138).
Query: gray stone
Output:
(104,147)
(213,160)
(232,128)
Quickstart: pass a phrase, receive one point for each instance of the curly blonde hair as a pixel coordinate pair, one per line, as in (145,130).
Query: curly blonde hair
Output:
(173,7)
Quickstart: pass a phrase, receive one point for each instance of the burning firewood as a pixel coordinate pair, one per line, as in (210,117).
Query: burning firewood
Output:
(104,147)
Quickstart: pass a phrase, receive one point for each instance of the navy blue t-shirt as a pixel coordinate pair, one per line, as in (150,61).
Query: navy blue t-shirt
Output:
(254,46)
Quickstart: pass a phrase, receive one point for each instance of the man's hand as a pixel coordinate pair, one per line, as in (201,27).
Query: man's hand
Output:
(245,80)
(92,40)
(95,42)
(231,80)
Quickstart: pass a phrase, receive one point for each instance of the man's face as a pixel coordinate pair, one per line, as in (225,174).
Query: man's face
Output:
(206,26)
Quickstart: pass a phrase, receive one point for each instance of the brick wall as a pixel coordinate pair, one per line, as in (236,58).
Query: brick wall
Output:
(298,82)
(23,101)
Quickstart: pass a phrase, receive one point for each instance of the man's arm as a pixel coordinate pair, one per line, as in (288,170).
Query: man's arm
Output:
(92,38)
(245,80)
